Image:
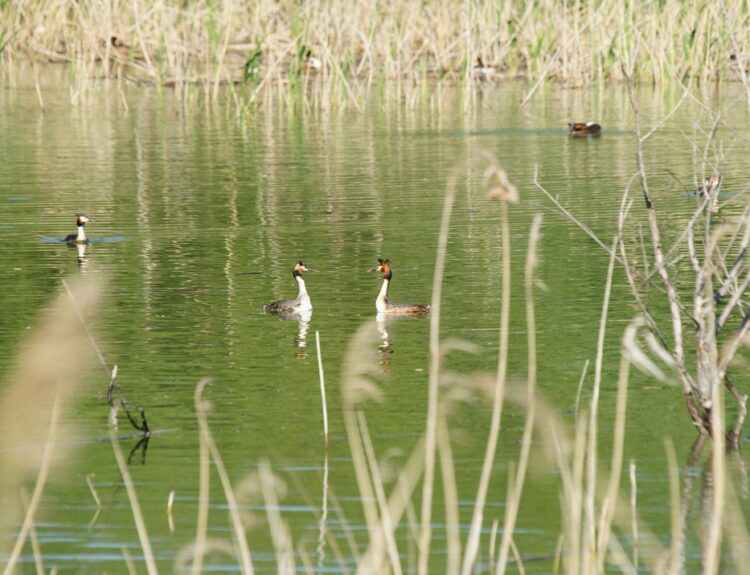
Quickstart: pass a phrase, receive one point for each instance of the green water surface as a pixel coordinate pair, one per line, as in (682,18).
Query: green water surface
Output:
(207,217)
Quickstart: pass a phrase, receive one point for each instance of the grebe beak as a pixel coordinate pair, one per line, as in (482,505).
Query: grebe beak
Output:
(375,269)
(309,269)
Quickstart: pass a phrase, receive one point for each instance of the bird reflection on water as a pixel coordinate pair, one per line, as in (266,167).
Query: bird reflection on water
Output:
(386,347)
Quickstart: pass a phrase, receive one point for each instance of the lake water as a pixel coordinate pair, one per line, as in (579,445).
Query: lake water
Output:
(202,220)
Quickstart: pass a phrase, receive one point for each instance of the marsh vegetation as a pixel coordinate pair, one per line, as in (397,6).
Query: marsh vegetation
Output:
(574,403)
(333,54)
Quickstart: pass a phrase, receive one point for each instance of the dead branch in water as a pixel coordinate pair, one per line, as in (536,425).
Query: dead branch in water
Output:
(715,255)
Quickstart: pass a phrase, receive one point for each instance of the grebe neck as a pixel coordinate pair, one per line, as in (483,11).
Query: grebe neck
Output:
(302,296)
(81,237)
(382,301)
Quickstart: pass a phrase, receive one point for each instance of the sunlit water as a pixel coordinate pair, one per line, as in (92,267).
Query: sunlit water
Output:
(197,222)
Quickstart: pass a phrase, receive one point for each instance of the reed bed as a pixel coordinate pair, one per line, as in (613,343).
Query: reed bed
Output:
(261,48)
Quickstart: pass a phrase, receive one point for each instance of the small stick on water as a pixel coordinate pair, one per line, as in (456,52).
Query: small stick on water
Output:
(85,326)
(94,494)
(322,388)
(170,505)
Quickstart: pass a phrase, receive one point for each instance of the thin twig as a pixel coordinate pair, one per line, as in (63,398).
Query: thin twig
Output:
(587,230)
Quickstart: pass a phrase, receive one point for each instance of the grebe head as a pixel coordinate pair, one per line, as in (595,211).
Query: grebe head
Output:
(299,268)
(81,219)
(384,267)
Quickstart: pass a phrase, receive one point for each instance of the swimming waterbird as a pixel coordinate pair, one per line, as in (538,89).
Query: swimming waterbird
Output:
(584,129)
(384,305)
(290,308)
(80,236)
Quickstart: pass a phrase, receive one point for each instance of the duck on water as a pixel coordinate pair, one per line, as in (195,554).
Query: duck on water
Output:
(384,305)
(585,129)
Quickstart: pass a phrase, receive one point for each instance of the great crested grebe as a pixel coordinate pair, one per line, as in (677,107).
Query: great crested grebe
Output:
(293,307)
(384,305)
(311,63)
(584,129)
(80,236)
(482,70)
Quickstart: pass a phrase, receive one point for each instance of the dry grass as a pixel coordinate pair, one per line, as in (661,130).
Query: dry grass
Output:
(40,386)
(259,48)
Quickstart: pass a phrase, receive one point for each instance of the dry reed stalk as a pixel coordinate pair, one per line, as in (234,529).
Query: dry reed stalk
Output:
(581,380)
(609,502)
(242,551)
(434,373)
(450,496)
(282,539)
(201,534)
(323,521)
(737,48)
(322,387)
(499,188)
(590,539)
(129,563)
(518,558)
(569,454)
(356,388)
(39,385)
(27,527)
(493,541)
(633,511)
(170,507)
(735,527)
(35,547)
(515,487)
(140,524)
(398,503)
(387,522)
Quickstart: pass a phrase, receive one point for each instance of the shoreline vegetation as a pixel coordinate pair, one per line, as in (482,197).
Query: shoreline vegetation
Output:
(347,48)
